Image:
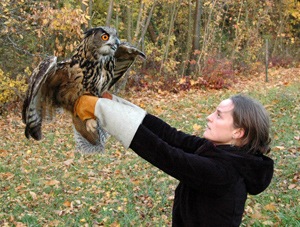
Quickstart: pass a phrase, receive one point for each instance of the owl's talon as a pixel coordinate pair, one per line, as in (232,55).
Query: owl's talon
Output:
(81,127)
(91,125)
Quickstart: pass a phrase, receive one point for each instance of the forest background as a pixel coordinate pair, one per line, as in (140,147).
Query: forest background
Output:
(198,53)
(196,43)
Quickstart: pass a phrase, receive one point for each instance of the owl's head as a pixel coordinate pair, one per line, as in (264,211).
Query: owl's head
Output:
(103,40)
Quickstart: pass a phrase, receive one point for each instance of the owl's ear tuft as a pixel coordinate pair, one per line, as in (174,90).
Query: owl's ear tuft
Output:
(93,31)
(88,33)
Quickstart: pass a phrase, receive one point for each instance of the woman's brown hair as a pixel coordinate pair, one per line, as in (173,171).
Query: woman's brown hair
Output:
(251,116)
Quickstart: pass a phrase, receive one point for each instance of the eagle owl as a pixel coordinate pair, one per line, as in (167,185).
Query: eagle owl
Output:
(98,63)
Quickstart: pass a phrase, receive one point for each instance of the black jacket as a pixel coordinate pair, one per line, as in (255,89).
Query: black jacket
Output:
(214,180)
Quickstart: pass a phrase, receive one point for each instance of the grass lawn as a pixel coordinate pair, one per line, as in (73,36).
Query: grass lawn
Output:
(47,183)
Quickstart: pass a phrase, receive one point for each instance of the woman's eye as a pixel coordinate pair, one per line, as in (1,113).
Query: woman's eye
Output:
(105,37)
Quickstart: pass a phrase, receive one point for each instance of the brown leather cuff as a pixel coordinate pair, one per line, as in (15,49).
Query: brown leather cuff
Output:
(85,106)
(107,95)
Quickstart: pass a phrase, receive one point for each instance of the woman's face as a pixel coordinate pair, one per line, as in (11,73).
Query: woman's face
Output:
(220,128)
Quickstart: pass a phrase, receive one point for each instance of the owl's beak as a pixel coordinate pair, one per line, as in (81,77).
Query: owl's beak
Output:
(116,45)
(118,42)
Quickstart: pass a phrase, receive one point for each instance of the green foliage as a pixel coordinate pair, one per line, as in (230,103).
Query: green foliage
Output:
(11,89)
(31,30)
(157,64)
(61,25)
(234,31)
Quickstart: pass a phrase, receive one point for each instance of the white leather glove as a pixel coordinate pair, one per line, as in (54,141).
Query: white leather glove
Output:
(119,118)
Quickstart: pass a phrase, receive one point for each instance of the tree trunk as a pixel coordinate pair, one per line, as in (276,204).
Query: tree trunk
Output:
(121,84)
(109,12)
(147,22)
(171,27)
(238,33)
(129,21)
(138,23)
(184,66)
(196,36)
(90,13)
(197,26)
(152,33)
(280,28)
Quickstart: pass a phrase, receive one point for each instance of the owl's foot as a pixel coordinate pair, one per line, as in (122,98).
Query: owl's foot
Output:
(80,126)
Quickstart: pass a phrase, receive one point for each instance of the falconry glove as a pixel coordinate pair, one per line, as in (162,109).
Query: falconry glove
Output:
(119,117)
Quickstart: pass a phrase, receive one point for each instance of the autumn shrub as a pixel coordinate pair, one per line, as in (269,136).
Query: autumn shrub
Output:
(11,89)
(158,64)
(281,61)
(63,27)
(216,74)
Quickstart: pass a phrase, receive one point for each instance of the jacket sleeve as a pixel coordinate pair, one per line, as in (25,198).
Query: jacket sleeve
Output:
(175,138)
(196,171)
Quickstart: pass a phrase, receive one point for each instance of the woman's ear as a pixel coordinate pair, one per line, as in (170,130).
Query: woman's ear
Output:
(238,133)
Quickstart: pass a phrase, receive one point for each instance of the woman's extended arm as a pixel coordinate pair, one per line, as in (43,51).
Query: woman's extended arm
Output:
(175,138)
(192,169)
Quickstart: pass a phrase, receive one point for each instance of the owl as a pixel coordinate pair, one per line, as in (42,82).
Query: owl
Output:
(99,61)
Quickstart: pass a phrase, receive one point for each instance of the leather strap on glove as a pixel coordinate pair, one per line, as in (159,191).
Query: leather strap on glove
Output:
(107,95)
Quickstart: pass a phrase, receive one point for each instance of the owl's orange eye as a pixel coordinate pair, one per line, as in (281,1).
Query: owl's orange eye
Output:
(105,37)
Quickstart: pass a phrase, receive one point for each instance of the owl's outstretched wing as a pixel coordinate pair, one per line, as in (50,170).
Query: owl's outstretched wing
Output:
(35,100)
(59,84)
(124,58)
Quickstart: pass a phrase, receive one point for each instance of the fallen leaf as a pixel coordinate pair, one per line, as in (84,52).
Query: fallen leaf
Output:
(117,171)
(67,203)
(7,176)
(115,224)
(257,215)
(194,82)
(20,224)
(52,182)
(268,223)
(3,153)
(82,220)
(196,127)
(33,195)
(69,162)
(135,182)
(20,187)
(279,148)
(158,110)
(270,207)
(291,186)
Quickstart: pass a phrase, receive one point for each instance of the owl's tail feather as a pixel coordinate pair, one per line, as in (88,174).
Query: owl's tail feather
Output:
(87,142)
(31,116)
(34,131)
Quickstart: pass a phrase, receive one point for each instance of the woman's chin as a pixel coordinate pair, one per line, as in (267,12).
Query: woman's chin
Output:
(205,136)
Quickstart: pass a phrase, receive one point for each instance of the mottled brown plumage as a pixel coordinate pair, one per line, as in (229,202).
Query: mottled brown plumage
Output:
(97,64)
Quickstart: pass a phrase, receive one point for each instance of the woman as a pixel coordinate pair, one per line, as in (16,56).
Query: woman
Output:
(216,172)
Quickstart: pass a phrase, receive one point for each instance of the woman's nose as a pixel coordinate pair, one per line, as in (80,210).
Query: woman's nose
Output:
(209,118)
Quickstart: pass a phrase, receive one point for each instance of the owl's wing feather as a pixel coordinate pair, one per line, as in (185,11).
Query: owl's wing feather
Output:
(35,99)
(59,84)
(124,57)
